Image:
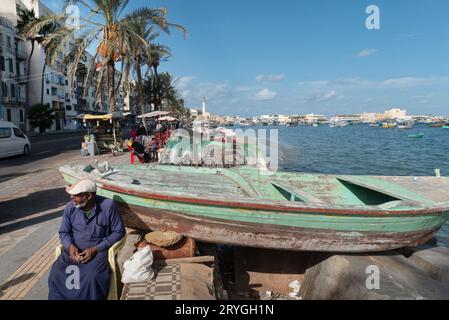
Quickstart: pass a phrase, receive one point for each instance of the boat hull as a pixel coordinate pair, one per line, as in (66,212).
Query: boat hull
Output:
(267,236)
(273,224)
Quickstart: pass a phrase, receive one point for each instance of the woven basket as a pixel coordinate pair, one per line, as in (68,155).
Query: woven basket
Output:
(163,238)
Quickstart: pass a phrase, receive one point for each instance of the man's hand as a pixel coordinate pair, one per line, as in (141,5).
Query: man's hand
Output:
(88,254)
(74,253)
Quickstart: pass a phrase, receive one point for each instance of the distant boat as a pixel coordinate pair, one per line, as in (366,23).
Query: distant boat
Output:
(389,125)
(374,124)
(416,136)
(338,124)
(437,125)
(406,126)
(445,127)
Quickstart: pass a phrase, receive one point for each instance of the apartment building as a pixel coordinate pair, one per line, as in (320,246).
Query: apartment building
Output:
(49,84)
(13,60)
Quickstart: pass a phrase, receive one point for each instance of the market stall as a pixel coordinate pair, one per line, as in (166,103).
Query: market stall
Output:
(103,134)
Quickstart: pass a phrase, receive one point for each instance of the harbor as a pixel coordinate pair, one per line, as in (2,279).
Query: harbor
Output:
(193,154)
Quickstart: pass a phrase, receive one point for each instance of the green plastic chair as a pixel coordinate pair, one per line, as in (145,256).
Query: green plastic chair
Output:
(112,253)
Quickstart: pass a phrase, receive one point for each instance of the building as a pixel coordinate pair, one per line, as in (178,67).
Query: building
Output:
(13,60)
(314,118)
(49,84)
(395,113)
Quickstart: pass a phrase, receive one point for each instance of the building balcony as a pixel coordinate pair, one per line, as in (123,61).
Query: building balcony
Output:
(21,54)
(21,79)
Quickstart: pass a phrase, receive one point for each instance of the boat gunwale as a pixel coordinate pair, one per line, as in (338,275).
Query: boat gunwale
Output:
(292,207)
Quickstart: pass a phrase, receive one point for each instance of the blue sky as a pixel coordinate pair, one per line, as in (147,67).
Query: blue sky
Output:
(302,56)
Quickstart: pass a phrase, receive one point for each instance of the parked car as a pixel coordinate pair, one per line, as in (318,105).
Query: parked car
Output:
(12,140)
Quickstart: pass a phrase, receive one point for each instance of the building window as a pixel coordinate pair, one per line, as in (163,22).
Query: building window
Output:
(13,91)
(2,63)
(21,115)
(8,41)
(68,108)
(8,115)
(5,89)
(48,92)
(11,66)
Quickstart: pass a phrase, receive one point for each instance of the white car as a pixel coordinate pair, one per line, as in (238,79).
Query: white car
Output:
(12,140)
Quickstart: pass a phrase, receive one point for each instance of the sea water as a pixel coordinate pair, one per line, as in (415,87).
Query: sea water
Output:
(364,150)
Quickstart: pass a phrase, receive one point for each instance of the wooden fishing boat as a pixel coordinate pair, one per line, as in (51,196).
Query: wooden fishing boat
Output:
(245,206)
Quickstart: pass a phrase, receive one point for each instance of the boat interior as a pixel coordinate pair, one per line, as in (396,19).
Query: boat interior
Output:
(251,183)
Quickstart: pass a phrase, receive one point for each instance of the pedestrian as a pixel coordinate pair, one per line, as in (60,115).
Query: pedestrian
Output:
(133,132)
(90,226)
(141,131)
(154,146)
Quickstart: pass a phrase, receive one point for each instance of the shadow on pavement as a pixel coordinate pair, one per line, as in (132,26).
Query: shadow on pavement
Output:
(33,203)
(9,176)
(15,281)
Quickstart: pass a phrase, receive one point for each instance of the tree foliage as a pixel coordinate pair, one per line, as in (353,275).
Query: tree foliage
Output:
(41,116)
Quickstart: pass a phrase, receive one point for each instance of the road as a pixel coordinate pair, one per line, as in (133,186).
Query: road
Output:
(45,150)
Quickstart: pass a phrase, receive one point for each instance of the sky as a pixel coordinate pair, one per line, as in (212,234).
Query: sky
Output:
(256,57)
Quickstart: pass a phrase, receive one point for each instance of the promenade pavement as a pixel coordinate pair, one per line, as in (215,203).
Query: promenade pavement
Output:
(31,206)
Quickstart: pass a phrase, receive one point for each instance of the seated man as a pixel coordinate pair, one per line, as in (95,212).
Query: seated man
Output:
(90,226)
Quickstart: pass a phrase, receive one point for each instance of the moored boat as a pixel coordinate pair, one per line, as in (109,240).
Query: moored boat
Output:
(405,126)
(293,211)
(416,136)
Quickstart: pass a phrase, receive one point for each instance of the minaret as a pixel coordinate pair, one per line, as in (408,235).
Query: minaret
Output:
(204,106)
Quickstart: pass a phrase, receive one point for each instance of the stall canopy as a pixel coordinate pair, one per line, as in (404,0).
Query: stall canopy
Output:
(167,118)
(153,114)
(109,116)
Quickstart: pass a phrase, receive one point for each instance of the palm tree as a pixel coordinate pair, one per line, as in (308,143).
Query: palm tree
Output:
(144,55)
(106,23)
(158,53)
(163,88)
(27,17)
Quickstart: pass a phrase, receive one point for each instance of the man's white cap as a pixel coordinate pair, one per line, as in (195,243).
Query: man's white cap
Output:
(82,186)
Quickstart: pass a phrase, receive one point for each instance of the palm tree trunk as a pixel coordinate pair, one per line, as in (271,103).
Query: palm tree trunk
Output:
(111,86)
(27,99)
(157,98)
(43,83)
(140,90)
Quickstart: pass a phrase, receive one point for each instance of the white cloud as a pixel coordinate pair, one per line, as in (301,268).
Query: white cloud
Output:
(337,82)
(367,52)
(321,96)
(270,77)
(245,88)
(325,96)
(424,96)
(265,94)
(414,82)
(402,82)
(183,83)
